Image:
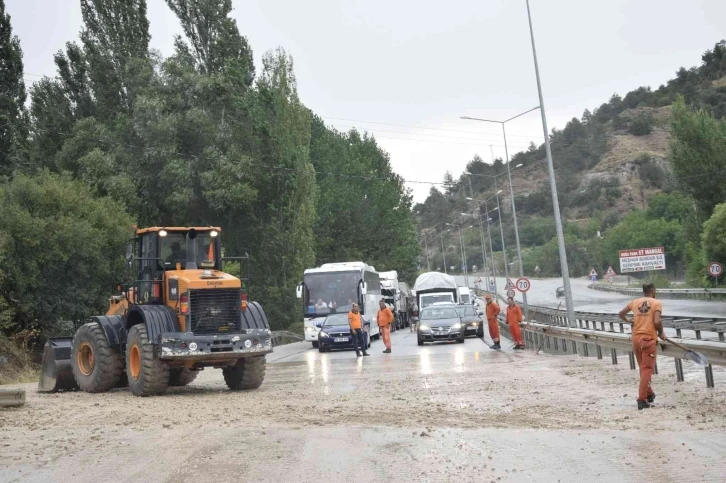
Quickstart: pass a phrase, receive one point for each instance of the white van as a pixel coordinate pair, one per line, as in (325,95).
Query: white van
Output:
(464,295)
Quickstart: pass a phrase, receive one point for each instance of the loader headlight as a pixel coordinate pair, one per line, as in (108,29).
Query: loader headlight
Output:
(310,329)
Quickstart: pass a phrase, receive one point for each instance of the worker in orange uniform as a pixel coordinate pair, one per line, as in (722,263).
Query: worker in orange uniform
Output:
(492,312)
(514,317)
(647,326)
(356,331)
(385,319)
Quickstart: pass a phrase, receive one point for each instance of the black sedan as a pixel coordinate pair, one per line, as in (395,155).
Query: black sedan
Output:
(440,323)
(335,334)
(471,320)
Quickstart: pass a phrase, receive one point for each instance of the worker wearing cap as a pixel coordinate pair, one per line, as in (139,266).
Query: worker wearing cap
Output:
(647,326)
(356,331)
(514,317)
(385,319)
(492,312)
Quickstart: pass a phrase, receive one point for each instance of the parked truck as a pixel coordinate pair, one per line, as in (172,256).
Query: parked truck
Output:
(433,287)
(391,293)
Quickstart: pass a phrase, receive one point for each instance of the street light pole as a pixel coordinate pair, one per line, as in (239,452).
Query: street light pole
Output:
(511,193)
(553,185)
(501,231)
(516,227)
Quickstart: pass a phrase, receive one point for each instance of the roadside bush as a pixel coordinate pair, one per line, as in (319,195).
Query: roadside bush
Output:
(659,279)
(642,124)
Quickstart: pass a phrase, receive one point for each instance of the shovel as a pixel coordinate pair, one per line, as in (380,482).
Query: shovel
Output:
(691,355)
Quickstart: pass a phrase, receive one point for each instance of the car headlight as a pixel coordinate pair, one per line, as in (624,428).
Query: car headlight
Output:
(310,329)
(424,327)
(474,324)
(456,327)
(323,334)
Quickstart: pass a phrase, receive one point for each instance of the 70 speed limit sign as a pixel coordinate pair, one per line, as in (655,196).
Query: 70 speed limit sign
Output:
(715,269)
(523,284)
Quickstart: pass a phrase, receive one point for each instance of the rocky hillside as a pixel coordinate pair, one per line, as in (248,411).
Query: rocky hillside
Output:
(608,163)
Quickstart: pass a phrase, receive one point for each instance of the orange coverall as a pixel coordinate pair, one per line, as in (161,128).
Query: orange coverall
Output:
(385,319)
(514,317)
(645,340)
(492,312)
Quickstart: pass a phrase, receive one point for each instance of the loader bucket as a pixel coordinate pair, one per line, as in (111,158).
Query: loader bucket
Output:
(56,373)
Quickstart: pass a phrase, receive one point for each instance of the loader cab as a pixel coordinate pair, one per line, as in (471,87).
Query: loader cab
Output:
(158,250)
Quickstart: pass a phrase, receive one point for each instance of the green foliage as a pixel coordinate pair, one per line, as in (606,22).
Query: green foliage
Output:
(61,252)
(637,230)
(13,116)
(698,155)
(714,235)
(194,140)
(642,124)
(659,279)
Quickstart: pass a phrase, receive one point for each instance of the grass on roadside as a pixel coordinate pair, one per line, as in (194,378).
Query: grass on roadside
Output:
(16,365)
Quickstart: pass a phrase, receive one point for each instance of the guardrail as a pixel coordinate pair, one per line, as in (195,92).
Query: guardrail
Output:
(549,329)
(668,293)
(282,337)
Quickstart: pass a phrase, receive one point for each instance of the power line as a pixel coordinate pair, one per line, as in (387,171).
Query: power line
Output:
(416,127)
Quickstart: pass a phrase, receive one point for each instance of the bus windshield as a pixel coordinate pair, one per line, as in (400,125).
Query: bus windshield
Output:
(332,292)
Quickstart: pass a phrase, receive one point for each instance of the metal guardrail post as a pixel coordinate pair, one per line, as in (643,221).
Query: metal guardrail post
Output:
(614,356)
(598,349)
(631,356)
(709,376)
(678,333)
(655,369)
(679,370)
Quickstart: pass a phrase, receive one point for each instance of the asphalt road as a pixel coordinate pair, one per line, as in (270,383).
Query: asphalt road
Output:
(444,412)
(586,299)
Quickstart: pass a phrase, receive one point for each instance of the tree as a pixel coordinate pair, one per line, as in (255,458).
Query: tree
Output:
(116,44)
(13,116)
(61,250)
(697,154)
(215,41)
(713,238)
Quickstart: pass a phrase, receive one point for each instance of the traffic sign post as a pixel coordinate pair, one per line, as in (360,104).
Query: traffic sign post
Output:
(511,293)
(715,270)
(523,284)
(611,279)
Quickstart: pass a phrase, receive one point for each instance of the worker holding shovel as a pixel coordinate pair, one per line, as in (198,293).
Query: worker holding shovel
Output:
(647,327)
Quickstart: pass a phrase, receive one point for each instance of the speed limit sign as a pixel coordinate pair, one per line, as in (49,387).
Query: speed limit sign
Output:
(715,269)
(523,284)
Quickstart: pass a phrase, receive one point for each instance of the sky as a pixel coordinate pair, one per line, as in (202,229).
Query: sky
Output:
(407,70)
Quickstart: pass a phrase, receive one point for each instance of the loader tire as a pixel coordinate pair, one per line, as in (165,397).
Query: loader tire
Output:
(96,366)
(147,375)
(247,373)
(182,376)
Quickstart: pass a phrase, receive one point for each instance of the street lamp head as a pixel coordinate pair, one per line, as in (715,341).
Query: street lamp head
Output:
(519,165)
(469,199)
(468,173)
(495,209)
(498,192)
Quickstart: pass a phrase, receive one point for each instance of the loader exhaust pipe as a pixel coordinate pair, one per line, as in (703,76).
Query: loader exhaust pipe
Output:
(191,250)
(56,372)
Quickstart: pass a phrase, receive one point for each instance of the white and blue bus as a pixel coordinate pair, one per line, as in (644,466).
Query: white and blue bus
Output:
(333,288)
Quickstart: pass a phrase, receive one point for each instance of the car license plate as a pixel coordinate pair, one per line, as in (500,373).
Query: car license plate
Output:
(439,333)
(341,339)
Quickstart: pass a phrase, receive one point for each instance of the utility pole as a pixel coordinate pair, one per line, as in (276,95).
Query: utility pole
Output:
(553,185)
(426,244)
(443,251)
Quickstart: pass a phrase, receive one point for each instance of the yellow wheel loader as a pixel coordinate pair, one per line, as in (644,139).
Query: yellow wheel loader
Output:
(181,314)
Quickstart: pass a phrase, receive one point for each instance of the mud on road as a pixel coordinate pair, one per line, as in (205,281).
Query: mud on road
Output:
(474,416)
